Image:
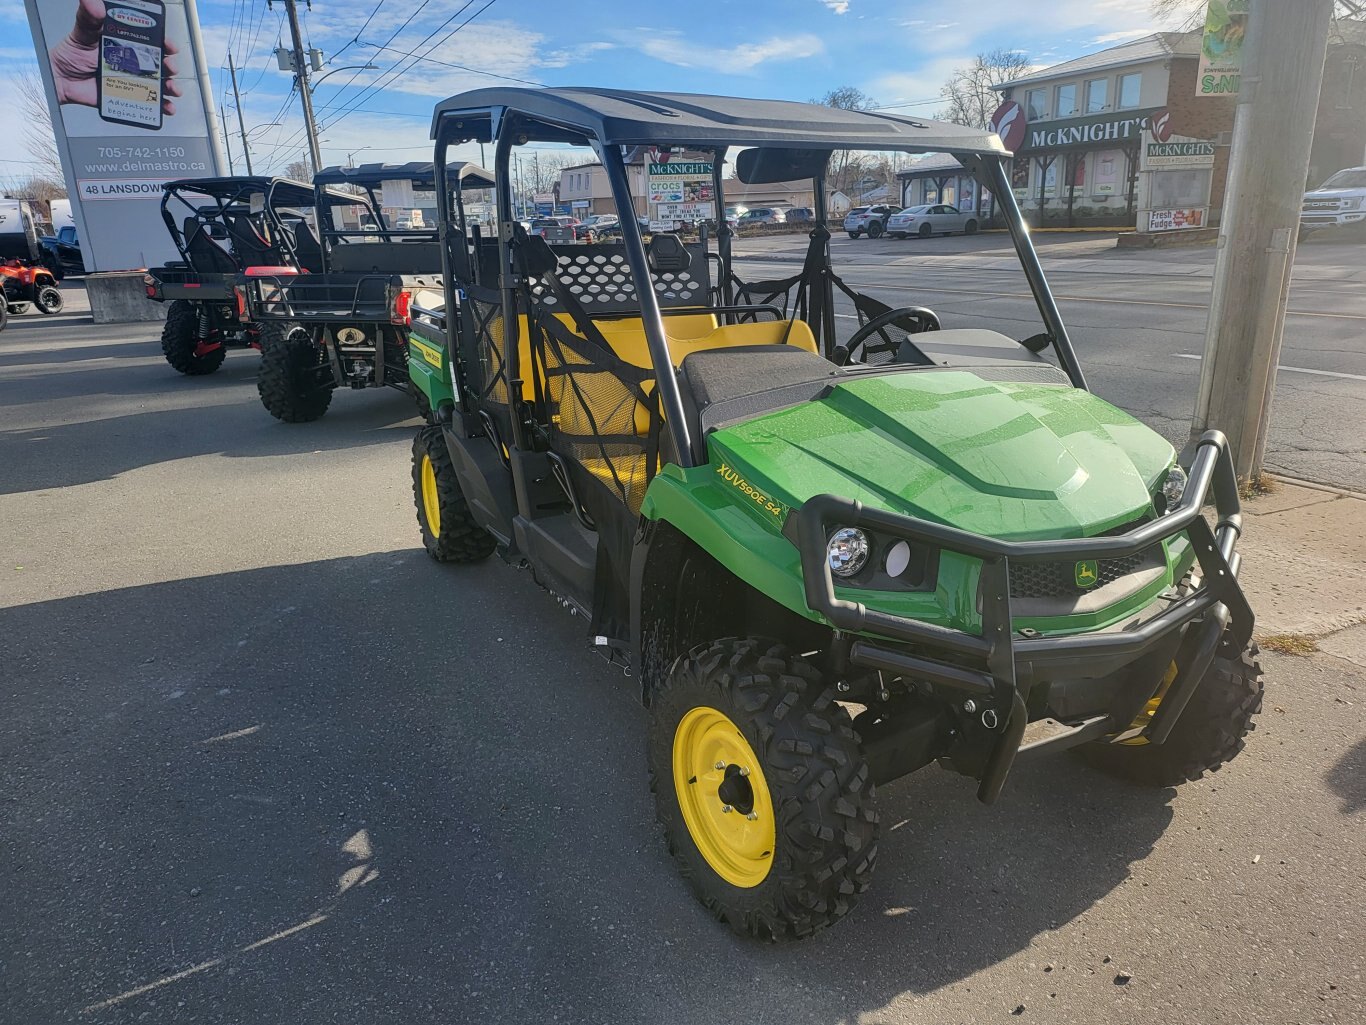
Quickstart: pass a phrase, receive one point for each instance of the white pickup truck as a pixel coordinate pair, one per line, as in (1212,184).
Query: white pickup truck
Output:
(1337,203)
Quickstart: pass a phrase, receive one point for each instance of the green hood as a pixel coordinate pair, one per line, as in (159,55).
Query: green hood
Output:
(1014,461)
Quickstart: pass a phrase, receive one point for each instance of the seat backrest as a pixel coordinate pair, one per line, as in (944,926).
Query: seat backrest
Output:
(306,246)
(206,256)
(247,242)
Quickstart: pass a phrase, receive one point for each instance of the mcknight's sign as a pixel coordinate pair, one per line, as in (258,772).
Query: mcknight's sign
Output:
(1082,132)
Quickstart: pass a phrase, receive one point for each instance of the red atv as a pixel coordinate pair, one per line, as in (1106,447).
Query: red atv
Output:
(27,284)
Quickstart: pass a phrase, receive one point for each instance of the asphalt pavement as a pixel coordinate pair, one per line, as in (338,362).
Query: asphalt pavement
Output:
(263,761)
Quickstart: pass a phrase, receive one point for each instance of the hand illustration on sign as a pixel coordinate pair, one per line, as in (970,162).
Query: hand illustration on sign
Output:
(76,60)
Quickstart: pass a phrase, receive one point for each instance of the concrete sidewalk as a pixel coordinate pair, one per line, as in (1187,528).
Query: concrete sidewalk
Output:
(1304,567)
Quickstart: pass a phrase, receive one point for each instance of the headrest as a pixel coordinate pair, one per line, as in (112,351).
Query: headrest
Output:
(666,252)
(535,254)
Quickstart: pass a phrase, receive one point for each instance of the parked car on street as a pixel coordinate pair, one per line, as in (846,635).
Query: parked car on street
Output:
(62,251)
(763,215)
(559,228)
(596,227)
(868,220)
(801,213)
(931,219)
(1337,203)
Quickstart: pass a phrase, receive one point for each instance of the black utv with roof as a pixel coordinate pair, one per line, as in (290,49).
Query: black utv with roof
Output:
(346,324)
(225,228)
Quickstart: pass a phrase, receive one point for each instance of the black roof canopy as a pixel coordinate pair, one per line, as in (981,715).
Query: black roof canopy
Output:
(420,173)
(621,117)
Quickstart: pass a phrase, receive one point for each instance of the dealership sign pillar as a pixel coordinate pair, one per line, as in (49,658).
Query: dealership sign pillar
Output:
(131,109)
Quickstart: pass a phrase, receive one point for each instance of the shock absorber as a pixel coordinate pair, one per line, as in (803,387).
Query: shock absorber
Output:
(205,324)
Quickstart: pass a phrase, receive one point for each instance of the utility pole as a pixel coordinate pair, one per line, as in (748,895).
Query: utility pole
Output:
(227,143)
(300,63)
(241,126)
(1274,127)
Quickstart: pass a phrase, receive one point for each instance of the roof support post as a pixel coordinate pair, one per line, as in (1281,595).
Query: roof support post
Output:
(999,183)
(723,230)
(666,381)
(507,279)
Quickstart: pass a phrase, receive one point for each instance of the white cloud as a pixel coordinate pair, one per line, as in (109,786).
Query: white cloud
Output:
(838,6)
(1120,37)
(736,60)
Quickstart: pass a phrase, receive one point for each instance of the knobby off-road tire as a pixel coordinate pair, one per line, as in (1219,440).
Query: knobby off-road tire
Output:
(1211,731)
(817,786)
(449,532)
(288,383)
(49,299)
(180,335)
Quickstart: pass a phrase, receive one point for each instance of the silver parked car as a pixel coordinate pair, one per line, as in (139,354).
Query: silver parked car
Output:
(931,219)
(869,220)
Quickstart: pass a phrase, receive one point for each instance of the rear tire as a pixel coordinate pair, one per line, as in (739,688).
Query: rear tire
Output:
(288,382)
(49,299)
(853,234)
(180,337)
(875,230)
(925,231)
(1211,731)
(449,532)
(970,228)
(808,788)
(897,234)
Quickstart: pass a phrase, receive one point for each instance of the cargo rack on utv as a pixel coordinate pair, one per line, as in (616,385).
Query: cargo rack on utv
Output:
(346,323)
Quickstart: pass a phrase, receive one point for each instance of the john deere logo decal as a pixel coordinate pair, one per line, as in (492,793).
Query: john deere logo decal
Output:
(1086,573)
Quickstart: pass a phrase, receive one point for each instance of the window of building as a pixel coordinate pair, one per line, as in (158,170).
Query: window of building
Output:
(1034,105)
(1129,90)
(1097,95)
(1067,101)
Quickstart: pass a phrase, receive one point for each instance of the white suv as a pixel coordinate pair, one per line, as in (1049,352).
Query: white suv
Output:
(1338,202)
(869,220)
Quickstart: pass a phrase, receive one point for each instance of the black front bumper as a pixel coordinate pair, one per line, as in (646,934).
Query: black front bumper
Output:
(1218,605)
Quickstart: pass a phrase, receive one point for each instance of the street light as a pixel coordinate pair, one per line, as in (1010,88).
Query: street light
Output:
(351,157)
(313,82)
(246,141)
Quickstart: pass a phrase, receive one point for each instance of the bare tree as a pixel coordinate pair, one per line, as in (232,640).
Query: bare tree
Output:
(27,87)
(848,170)
(968,92)
(299,171)
(1189,14)
(541,169)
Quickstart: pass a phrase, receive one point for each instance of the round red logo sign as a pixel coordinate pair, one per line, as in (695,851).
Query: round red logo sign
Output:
(1009,123)
(1161,125)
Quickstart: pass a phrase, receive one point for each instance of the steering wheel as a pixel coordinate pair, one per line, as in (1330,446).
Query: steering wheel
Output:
(912,319)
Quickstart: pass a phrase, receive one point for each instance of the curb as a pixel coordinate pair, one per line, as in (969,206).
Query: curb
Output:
(1312,485)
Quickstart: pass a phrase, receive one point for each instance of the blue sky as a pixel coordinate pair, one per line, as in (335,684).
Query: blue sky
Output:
(899,51)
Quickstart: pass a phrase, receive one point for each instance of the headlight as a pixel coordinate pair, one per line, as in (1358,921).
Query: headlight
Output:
(1174,486)
(847,551)
(1350,204)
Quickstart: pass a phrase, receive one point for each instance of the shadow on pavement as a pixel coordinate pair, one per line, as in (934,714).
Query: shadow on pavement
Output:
(1348,778)
(377,789)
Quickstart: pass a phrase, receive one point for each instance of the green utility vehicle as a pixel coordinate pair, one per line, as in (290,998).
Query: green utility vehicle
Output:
(829,558)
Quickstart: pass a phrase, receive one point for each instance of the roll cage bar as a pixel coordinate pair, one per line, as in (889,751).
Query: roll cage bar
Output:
(612,121)
(233,195)
(421,174)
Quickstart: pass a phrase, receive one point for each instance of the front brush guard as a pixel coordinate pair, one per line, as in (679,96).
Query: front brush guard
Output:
(1219,600)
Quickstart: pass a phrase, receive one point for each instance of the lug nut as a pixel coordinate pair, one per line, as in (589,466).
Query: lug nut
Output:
(720,766)
(752,816)
(744,771)
(969,706)
(727,808)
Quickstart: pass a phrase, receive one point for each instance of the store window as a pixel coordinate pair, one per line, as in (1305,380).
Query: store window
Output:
(1035,109)
(1067,101)
(1179,189)
(1097,95)
(1107,173)
(1129,89)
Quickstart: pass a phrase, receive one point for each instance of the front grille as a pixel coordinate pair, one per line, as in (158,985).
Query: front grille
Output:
(1059,579)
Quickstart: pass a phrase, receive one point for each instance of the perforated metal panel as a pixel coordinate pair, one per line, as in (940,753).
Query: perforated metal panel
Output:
(597,276)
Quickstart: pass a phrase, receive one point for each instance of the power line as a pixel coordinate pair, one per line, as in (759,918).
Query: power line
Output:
(458,67)
(356,38)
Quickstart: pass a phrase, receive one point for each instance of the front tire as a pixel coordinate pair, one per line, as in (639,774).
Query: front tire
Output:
(970,228)
(49,299)
(180,342)
(291,383)
(853,234)
(925,231)
(1211,732)
(449,532)
(796,847)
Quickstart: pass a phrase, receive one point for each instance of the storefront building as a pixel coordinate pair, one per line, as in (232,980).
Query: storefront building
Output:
(1121,138)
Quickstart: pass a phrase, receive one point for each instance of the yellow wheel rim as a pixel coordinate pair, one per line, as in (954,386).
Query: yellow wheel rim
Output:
(431,501)
(724,797)
(1150,709)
